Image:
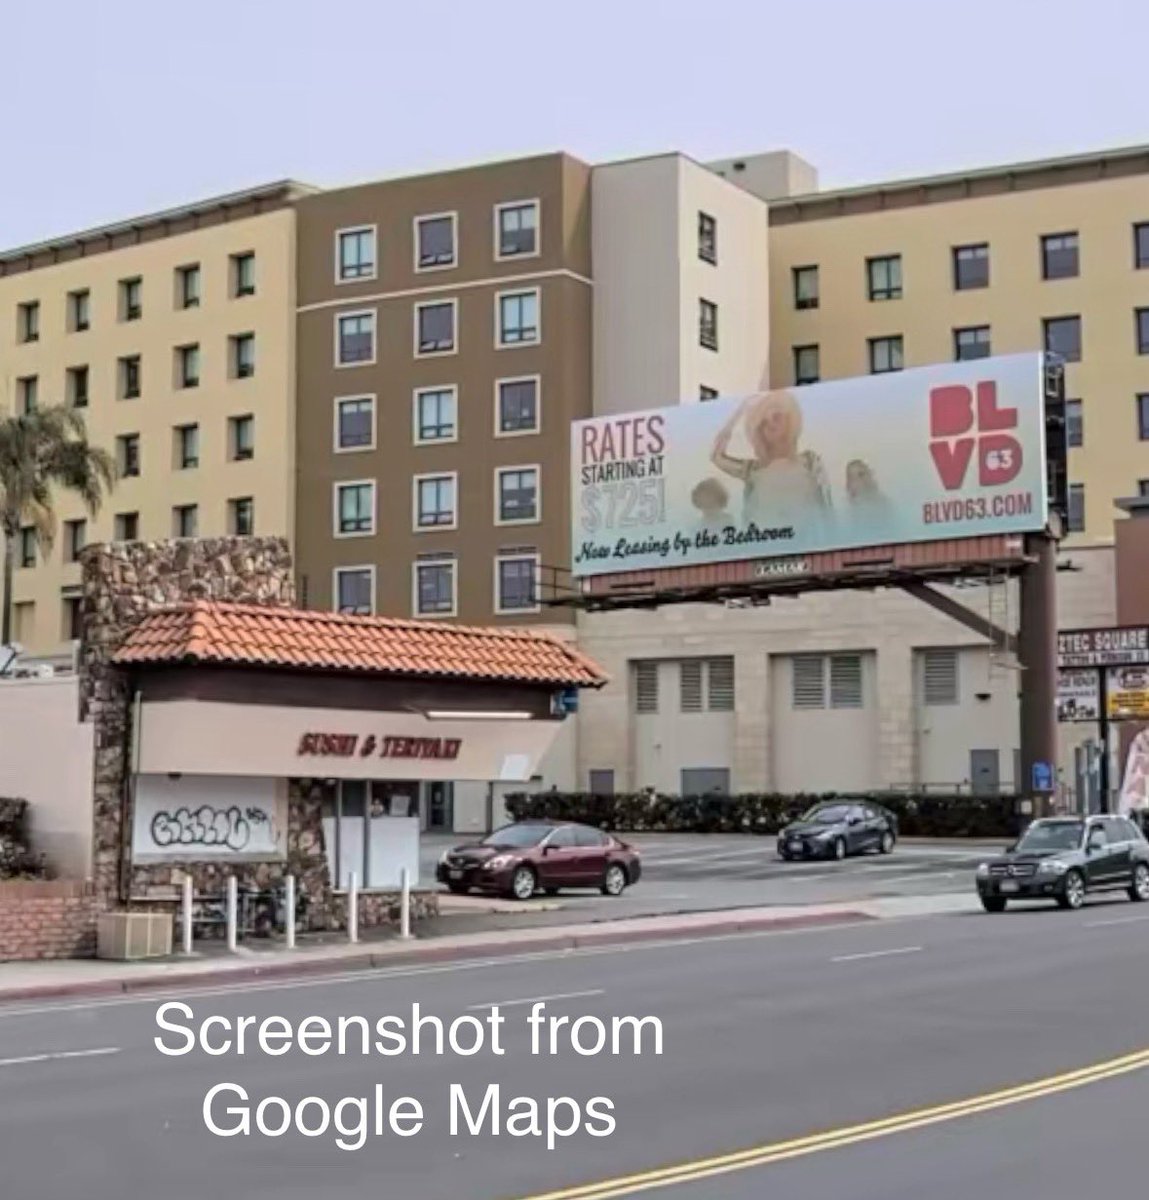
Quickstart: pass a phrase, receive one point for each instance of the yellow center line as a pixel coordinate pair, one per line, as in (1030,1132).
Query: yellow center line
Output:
(761,1156)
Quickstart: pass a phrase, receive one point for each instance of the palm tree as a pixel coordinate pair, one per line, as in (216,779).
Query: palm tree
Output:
(42,451)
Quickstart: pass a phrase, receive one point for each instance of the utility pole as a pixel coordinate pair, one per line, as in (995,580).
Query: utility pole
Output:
(1037,651)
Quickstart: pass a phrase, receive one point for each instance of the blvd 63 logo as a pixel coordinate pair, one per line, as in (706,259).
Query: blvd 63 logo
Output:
(968,427)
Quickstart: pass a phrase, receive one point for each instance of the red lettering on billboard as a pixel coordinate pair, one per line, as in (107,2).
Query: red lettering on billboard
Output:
(959,426)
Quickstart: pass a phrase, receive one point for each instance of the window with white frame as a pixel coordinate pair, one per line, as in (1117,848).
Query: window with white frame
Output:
(355,423)
(436,415)
(356,254)
(517,491)
(940,676)
(355,508)
(355,338)
(517,229)
(516,582)
(706,685)
(355,590)
(435,501)
(435,241)
(518,318)
(435,327)
(435,587)
(518,405)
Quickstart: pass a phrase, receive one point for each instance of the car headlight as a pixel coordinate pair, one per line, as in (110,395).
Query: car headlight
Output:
(823,834)
(982,870)
(498,862)
(1051,866)
(443,858)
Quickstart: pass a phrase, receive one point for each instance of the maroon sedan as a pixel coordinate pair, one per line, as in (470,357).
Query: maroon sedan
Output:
(520,859)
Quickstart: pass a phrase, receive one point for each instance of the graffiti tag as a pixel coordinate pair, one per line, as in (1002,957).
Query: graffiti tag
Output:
(207,826)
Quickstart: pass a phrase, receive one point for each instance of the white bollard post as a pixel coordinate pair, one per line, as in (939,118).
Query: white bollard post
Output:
(289,910)
(188,901)
(353,908)
(232,913)
(405,905)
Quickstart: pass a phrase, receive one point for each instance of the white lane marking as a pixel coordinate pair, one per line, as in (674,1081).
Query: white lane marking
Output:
(58,1054)
(537,999)
(843,958)
(1116,921)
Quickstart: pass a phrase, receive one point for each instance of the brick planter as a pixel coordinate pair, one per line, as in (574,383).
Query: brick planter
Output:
(47,919)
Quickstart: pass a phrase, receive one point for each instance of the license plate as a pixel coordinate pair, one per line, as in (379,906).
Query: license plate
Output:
(454,874)
(1009,886)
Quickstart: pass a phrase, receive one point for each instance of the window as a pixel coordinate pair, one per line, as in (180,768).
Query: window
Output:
(884,277)
(808,682)
(1143,416)
(1141,246)
(435,327)
(355,423)
(75,539)
(71,616)
(516,587)
(886,355)
(1074,424)
(128,454)
(812,673)
(241,516)
(600,781)
(435,502)
(28,393)
(243,274)
(845,681)
(971,342)
(23,620)
(971,266)
(187,286)
(517,495)
(354,338)
(187,366)
(185,520)
(243,356)
(1143,487)
(1062,335)
(1142,318)
(435,415)
(127,527)
(646,687)
(707,238)
(707,393)
(355,254)
(704,781)
(354,590)
(129,371)
(435,587)
(517,229)
(518,317)
(1059,256)
(805,287)
(28,542)
(77,387)
(940,677)
(517,406)
(1076,508)
(131,299)
(187,447)
(708,325)
(807,364)
(241,437)
(28,321)
(79,310)
(355,508)
(435,242)
(706,685)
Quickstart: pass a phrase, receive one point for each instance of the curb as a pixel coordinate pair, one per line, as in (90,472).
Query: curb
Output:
(427,952)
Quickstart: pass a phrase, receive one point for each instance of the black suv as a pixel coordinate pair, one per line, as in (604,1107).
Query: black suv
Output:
(1063,858)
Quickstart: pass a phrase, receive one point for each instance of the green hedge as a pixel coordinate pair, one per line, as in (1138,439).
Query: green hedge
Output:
(766,812)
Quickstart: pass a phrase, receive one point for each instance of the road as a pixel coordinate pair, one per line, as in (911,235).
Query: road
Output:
(768,1038)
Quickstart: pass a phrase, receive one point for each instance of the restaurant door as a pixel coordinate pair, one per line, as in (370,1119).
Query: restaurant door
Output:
(439,805)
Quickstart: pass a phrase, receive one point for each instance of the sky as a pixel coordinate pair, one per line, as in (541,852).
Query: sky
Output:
(115,108)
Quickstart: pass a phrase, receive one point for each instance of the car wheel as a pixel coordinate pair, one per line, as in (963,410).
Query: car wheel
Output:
(887,843)
(1072,894)
(523,883)
(614,881)
(1139,889)
(784,856)
(458,889)
(994,904)
(838,850)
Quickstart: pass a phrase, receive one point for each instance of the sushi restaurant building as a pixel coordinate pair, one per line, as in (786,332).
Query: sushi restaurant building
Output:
(238,735)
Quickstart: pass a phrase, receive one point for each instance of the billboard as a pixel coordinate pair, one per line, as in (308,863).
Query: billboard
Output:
(949,451)
(1127,693)
(1078,696)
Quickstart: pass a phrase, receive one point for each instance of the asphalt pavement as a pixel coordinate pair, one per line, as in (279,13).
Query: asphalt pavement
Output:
(767,1039)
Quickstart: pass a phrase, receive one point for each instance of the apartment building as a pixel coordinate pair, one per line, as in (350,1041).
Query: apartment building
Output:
(173,334)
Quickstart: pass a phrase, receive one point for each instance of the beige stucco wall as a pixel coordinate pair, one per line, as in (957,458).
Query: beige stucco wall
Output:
(268,395)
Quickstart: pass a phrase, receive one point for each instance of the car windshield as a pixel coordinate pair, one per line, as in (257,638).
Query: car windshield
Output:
(830,814)
(517,835)
(1052,835)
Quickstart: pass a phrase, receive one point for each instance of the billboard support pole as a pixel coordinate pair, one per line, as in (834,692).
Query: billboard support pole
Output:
(1037,650)
(1103,737)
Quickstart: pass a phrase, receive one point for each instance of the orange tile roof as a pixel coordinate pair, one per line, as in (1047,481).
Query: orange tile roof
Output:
(255,635)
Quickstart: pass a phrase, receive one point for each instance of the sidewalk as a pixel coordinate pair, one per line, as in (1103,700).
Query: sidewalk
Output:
(216,968)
